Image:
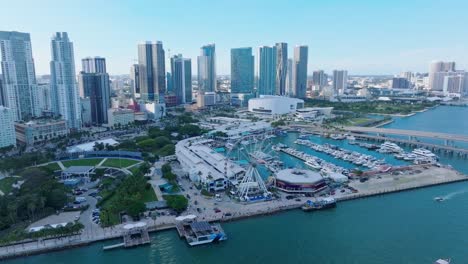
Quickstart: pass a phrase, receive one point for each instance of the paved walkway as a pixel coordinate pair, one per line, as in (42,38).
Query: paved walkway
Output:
(102,162)
(61,165)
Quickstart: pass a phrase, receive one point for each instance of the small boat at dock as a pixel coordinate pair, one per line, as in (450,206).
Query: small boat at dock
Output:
(319,204)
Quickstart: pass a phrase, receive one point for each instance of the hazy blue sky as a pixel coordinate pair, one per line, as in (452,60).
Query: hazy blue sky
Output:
(364,37)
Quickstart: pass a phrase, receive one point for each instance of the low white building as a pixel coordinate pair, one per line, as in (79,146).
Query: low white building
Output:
(274,105)
(90,145)
(153,110)
(206,99)
(120,116)
(7,127)
(205,166)
(314,113)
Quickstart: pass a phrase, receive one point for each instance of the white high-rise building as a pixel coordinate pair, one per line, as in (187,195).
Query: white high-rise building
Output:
(7,129)
(289,79)
(19,76)
(437,71)
(64,91)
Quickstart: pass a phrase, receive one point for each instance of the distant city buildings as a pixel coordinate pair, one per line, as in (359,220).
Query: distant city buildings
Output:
(266,70)
(242,70)
(93,83)
(7,129)
(281,67)
(207,69)
(437,71)
(152,71)
(135,78)
(319,80)
(340,81)
(181,74)
(19,76)
(400,82)
(64,93)
(300,71)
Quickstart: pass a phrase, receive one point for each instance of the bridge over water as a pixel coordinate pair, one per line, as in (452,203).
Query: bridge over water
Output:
(409,133)
(379,135)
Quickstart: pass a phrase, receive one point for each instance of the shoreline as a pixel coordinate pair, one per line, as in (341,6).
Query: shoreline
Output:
(268,210)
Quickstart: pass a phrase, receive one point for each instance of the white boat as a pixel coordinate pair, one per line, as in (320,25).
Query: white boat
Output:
(313,164)
(438,199)
(424,153)
(442,261)
(390,147)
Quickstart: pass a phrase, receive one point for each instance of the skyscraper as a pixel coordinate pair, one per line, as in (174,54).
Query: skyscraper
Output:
(281,67)
(289,78)
(93,83)
(207,69)
(400,82)
(152,71)
(437,72)
(181,72)
(94,65)
(64,93)
(135,77)
(319,79)
(242,70)
(266,70)
(340,81)
(19,76)
(300,71)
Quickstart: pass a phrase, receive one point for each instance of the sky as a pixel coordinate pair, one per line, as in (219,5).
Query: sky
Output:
(361,36)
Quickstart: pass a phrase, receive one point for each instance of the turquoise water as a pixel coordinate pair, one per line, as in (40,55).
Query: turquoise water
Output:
(406,227)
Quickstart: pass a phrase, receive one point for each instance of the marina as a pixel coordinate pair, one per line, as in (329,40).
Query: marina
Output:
(358,220)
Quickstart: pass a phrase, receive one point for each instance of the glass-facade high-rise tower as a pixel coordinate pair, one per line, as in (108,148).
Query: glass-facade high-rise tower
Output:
(281,67)
(181,73)
(19,77)
(64,93)
(152,71)
(207,69)
(242,70)
(94,84)
(299,71)
(266,71)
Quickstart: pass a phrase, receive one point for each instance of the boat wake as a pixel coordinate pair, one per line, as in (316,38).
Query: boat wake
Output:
(453,194)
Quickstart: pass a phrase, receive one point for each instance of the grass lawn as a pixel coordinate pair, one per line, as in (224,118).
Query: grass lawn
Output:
(52,166)
(5,184)
(81,162)
(119,163)
(149,195)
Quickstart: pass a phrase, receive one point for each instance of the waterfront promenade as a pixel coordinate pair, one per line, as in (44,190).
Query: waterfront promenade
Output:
(412,177)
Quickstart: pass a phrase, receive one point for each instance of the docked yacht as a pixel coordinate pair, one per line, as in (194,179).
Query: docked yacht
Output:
(313,164)
(390,147)
(319,204)
(424,153)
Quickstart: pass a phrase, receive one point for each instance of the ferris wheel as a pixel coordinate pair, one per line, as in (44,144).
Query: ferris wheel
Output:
(250,152)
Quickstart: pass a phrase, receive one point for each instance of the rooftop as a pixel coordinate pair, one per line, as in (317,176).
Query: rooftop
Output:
(298,176)
(78,169)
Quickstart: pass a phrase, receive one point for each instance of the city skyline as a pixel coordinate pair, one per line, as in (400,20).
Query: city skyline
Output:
(350,49)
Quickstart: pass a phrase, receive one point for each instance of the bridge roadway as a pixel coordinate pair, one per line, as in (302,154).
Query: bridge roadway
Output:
(410,142)
(409,133)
